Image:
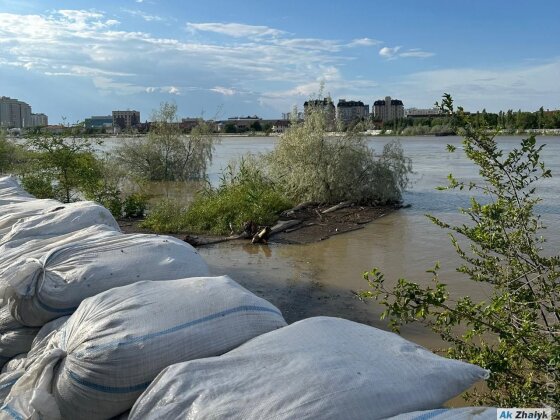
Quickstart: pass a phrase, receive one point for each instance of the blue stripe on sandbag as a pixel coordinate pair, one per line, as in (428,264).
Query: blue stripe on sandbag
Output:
(244,308)
(108,389)
(65,311)
(9,383)
(141,387)
(431,414)
(12,412)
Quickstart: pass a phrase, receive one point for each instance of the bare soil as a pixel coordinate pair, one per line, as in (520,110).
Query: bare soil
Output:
(315,226)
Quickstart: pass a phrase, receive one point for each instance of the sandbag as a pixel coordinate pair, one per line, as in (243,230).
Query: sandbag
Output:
(116,343)
(8,182)
(25,209)
(36,247)
(61,220)
(15,338)
(12,213)
(11,192)
(12,252)
(46,330)
(318,368)
(44,289)
(7,380)
(463,413)
(15,363)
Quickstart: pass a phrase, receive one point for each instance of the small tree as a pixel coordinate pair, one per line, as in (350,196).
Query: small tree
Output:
(60,166)
(166,154)
(515,333)
(10,154)
(310,165)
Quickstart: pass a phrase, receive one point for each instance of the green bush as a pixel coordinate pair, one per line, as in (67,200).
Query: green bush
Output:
(135,205)
(167,216)
(245,194)
(515,330)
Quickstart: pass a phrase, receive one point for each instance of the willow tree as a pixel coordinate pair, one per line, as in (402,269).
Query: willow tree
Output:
(309,164)
(167,154)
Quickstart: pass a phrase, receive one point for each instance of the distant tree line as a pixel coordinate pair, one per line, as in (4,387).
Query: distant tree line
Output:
(509,121)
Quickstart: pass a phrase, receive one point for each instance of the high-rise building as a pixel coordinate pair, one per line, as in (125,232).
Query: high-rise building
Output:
(126,119)
(39,120)
(348,112)
(388,109)
(14,113)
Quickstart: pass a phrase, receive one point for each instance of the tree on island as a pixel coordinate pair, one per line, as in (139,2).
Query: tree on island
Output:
(166,154)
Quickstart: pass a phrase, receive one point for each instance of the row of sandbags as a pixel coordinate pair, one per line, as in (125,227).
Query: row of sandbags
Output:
(52,256)
(189,347)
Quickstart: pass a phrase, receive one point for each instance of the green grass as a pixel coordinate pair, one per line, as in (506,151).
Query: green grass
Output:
(244,195)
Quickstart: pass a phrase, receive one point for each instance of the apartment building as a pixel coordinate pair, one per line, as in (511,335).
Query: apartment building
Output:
(14,113)
(125,119)
(388,109)
(349,112)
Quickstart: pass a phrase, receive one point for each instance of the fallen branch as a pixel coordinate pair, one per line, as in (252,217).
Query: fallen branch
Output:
(282,225)
(300,206)
(196,241)
(339,206)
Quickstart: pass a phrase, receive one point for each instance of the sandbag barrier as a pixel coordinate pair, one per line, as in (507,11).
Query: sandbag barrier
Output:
(129,346)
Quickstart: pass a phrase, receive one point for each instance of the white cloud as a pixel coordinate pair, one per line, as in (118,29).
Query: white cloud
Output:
(147,17)
(388,52)
(236,30)
(364,42)
(223,90)
(393,53)
(416,53)
(518,87)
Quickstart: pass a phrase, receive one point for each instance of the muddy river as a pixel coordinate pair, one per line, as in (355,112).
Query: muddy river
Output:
(319,278)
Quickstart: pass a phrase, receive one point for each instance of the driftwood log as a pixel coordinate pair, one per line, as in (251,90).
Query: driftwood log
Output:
(339,206)
(300,206)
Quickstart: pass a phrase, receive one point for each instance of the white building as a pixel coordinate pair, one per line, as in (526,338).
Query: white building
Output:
(422,112)
(388,109)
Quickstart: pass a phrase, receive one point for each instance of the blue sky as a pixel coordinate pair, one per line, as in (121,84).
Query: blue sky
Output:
(218,58)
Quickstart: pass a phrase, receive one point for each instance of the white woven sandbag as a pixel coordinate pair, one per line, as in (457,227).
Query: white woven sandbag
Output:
(25,209)
(15,363)
(12,213)
(318,368)
(11,192)
(463,413)
(15,338)
(36,247)
(116,343)
(8,182)
(12,252)
(14,196)
(46,330)
(44,289)
(61,220)
(7,380)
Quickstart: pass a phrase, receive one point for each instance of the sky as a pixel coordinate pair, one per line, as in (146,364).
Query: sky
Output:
(218,59)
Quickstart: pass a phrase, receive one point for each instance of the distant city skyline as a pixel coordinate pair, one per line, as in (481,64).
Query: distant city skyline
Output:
(219,59)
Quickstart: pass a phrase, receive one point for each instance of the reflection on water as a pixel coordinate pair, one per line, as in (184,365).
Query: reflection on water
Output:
(318,279)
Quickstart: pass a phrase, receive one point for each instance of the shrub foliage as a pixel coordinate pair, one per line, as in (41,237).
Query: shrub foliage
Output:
(515,332)
(311,165)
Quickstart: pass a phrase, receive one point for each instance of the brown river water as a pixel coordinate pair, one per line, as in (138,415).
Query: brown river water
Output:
(319,278)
